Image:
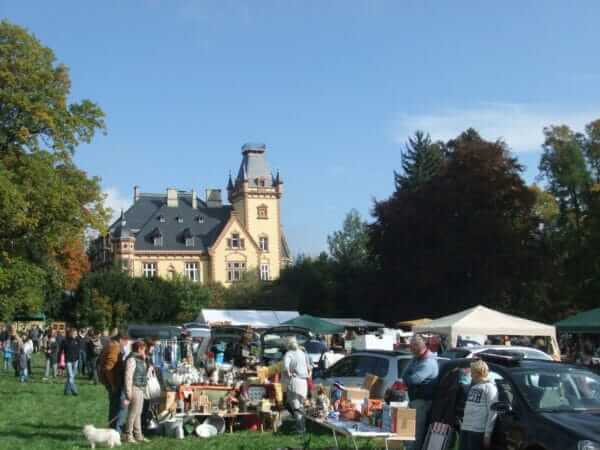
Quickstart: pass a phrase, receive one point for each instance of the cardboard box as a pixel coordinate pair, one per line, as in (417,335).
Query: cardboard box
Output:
(374,385)
(355,394)
(404,422)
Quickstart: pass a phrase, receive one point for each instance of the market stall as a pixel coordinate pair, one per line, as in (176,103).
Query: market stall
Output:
(482,321)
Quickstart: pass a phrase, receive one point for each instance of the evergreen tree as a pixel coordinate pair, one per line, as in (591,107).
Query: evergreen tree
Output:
(421,161)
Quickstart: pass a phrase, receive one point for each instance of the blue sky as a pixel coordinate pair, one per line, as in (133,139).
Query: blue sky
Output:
(332,87)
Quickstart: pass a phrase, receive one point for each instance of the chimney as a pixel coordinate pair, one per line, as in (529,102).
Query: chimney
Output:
(136,193)
(213,198)
(172,198)
(194,199)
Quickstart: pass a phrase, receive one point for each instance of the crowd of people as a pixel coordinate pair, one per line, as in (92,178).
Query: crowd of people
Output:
(121,366)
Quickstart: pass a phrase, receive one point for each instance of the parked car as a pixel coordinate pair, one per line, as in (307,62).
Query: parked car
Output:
(315,349)
(351,370)
(224,338)
(200,334)
(273,341)
(471,352)
(543,405)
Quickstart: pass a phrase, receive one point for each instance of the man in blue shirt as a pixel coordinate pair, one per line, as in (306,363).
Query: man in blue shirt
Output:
(420,377)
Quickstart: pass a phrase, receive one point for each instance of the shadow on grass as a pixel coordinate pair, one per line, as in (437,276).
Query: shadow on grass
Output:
(59,427)
(30,436)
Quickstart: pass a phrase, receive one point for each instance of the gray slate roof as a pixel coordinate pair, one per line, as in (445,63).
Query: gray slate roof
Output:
(254,165)
(142,220)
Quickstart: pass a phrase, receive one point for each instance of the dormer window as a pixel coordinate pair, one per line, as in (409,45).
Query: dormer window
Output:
(200,219)
(235,241)
(189,242)
(180,220)
(162,219)
(158,241)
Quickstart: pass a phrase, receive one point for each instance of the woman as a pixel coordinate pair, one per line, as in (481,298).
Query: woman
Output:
(51,351)
(136,378)
(70,349)
(479,418)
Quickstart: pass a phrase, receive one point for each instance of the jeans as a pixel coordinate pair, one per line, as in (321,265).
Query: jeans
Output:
(422,407)
(7,363)
(23,375)
(470,440)
(70,387)
(92,369)
(117,414)
(82,362)
(50,368)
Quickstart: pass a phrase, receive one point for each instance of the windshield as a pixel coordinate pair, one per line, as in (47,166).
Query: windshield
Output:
(565,390)
(275,344)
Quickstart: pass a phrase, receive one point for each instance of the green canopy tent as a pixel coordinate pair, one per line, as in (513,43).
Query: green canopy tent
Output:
(315,324)
(583,322)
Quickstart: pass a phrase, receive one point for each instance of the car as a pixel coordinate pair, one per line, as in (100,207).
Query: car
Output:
(224,338)
(200,334)
(352,369)
(471,352)
(543,405)
(273,341)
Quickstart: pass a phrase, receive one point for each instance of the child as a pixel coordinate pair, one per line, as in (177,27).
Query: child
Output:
(7,355)
(22,362)
(479,418)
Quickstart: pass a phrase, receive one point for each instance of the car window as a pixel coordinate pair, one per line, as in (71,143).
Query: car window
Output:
(402,364)
(344,367)
(374,365)
(455,353)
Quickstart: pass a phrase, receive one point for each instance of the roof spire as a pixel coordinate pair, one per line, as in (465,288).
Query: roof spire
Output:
(230,183)
(123,221)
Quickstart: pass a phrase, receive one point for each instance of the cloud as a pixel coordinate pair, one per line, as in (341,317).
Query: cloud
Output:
(116,201)
(519,125)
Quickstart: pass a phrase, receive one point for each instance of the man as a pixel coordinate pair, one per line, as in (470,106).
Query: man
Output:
(35,335)
(111,374)
(70,347)
(297,371)
(420,376)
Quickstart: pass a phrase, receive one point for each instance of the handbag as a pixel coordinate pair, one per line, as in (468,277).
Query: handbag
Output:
(153,390)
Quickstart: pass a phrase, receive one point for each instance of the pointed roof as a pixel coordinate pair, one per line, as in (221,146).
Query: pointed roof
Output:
(254,166)
(230,183)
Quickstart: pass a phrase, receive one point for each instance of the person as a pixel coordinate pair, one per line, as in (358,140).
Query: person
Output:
(70,349)
(8,354)
(35,334)
(297,371)
(420,376)
(22,361)
(111,374)
(51,351)
(93,351)
(15,343)
(241,350)
(136,378)
(479,418)
(82,338)
(28,349)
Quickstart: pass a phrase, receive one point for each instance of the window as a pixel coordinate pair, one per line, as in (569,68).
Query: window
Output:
(264,272)
(235,271)
(235,241)
(344,368)
(191,271)
(189,242)
(158,241)
(262,212)
(149,270)
(180,219)
(200,219)
(162,219)
(263,243)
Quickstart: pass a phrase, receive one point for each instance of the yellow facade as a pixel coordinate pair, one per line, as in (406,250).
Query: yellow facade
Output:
(251,239)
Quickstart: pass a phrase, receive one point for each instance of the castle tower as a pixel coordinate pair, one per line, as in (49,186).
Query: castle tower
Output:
(255,195)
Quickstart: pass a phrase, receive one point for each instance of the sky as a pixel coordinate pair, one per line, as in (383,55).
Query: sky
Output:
(333,88)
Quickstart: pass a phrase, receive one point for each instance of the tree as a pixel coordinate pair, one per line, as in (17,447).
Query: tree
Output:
(46,201)
(22,287)
(465,237)
(349,245)
(421,161)
(73,262)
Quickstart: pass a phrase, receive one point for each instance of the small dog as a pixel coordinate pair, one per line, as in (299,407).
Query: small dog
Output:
(101,436)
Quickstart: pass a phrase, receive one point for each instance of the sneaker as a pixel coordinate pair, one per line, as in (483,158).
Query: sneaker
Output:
(142,439)
(130,440)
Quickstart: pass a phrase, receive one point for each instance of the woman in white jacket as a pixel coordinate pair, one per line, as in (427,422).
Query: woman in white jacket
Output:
(479,418)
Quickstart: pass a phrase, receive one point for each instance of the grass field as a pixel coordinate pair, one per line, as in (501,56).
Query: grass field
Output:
(36,416)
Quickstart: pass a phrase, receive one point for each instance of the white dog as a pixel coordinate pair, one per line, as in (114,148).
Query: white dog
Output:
(101,436)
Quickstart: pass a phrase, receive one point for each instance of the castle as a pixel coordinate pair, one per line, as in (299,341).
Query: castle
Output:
(178,234)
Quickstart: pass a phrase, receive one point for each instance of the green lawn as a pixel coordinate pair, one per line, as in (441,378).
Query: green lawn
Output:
(37,415)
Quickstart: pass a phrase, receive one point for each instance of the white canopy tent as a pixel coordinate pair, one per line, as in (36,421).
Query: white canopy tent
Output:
(487,322)
(243,317)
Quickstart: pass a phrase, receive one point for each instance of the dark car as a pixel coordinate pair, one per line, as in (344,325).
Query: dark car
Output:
(273,341)
(542,405)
